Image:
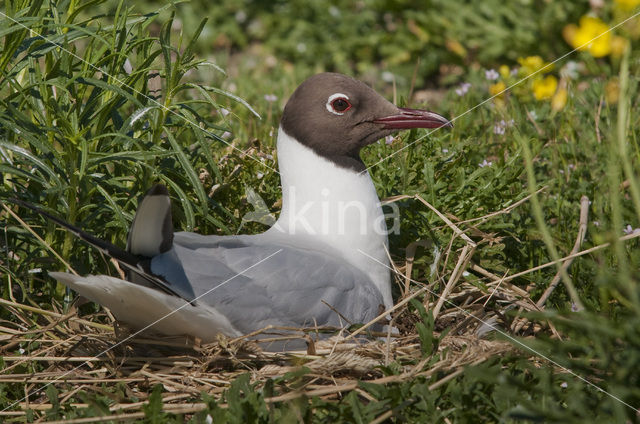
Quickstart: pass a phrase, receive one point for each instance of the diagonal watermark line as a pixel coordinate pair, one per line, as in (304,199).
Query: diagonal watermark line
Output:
(142,330)
(382,160)
(511,338)
(503,91)
(151,99)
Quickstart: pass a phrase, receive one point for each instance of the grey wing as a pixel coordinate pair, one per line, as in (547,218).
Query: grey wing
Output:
(286,289)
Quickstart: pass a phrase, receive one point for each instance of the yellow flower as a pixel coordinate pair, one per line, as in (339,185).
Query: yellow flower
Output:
(612,91)
(618,45)
(627,5)
(559,100)
(504,71)
(569,33)
(591,35)
(455,47)
(544,88)
(532,64)
(497,88)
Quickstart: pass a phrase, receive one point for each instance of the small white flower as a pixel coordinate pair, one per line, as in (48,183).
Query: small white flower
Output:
(208,419)
(574,307)
(271,61)
(630,230)
(485,163)
(241,16)
(270,98)
(564,385)
(465,273)
(463,89)
(388,139)
(226,134)
(505,124)
(596,223)
(571,167)
(570,70)
(514,72)
(498,128)
(21,351)
(491,75)
(533,115)
(445,150)
(259,175)
(224,111)
(387,76)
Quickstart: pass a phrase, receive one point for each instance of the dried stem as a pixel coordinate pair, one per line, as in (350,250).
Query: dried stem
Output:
(582,232)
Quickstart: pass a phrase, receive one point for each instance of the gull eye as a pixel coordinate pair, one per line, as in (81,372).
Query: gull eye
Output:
(338,104)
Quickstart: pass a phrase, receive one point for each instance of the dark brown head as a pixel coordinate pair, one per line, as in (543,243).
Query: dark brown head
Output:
(336,116)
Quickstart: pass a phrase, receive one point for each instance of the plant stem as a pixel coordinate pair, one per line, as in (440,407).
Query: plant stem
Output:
(542,226)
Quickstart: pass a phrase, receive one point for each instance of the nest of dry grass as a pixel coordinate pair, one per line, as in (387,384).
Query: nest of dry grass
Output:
(85,353)
(75,354)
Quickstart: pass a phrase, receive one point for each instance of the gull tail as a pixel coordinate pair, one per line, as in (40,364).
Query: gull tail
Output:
(144,308)
(151,233)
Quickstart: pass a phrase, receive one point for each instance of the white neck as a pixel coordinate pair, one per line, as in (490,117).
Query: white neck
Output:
(334,205)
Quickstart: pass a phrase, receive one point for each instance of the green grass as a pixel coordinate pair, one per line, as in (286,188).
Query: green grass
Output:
(130,100)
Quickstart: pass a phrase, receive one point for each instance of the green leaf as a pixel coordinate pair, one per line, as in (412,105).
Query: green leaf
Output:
(203,89)
(190,173)
(110,87)
(33,159)
(153,409)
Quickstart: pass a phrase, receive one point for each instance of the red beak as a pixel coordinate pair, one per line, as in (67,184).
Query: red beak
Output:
(413,118)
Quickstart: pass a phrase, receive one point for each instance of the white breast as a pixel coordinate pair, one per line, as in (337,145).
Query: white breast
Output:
(338,206)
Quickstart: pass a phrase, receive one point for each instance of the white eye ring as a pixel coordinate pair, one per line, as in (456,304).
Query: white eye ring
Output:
(331,99)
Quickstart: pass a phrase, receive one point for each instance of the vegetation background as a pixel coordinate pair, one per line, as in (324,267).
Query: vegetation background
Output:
(99,99)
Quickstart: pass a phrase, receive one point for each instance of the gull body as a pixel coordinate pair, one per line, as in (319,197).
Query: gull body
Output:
(323,263)
(329,205)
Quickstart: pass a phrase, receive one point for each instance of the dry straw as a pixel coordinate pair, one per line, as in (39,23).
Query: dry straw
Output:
(60,342)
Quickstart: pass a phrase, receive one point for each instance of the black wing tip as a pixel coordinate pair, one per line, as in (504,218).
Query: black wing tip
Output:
(42,212)
(24,203)
(127,259)
(102,245)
